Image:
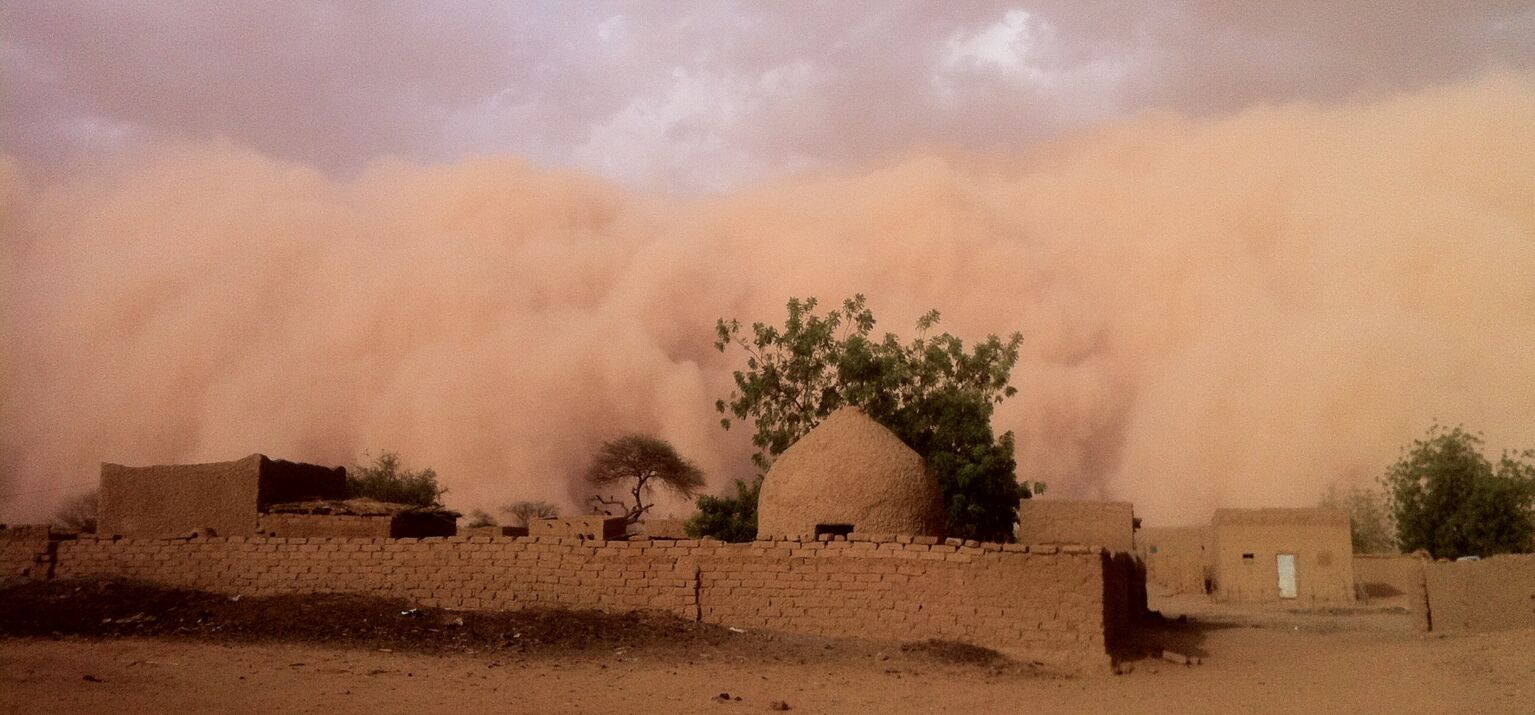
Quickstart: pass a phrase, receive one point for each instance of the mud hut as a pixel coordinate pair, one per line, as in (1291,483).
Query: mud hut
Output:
(1282,554)
(225,497)
(849,474)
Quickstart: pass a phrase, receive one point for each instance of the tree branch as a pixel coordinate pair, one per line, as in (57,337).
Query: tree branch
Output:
(599,500)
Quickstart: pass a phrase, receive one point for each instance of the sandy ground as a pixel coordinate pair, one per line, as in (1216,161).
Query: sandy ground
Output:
(1263,660)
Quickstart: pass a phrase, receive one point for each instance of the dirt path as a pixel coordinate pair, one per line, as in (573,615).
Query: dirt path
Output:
(1249,670)
(142,649)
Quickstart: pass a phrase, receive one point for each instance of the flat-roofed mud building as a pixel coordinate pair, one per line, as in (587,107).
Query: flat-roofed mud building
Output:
(1282,554)
(225,497)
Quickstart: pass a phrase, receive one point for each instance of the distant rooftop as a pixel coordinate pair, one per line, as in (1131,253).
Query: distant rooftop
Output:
(1306,515)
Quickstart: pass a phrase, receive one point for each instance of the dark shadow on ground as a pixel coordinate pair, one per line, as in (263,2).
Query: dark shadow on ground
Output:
(1379,590)
(1182,635)
(1155,637)
(123,608)
(1133,632)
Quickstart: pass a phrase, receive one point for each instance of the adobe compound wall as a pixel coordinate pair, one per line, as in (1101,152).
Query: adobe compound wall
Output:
(227,497)
(1495,593)
(1046,521)
(1387,576)
(318,525)
(1178,558)
(1056,605)
(26,554)
(1398,579)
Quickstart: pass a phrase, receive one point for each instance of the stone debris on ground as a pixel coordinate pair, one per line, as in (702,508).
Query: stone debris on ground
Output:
(1180,659)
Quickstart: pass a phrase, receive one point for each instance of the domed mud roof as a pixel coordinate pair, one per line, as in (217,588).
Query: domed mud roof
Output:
(850,471)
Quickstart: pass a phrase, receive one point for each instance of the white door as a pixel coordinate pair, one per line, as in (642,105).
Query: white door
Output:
(1287,575)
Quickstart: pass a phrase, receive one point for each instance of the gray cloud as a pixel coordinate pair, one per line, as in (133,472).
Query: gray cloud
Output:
(693,96)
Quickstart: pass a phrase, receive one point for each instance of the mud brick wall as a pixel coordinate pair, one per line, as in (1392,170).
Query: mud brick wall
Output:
(1124,595)
(1495,593)
(663,528)
(312,525)
(1046,606)
(1387,575)
(1047,521)
(285,481)
(26,554)
(1384,578)
(172,500)
(1178,558)
(1057,605)
(472,573)
(583,527)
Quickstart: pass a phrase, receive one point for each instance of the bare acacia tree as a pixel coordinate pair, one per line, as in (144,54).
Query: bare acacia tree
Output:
(525,511)
(639,463)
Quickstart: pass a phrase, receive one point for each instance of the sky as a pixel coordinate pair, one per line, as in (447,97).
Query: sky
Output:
(695,97)
(1254,248)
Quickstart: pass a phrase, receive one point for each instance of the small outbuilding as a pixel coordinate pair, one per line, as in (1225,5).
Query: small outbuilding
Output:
(849,475)
(224,497)
(1283,554)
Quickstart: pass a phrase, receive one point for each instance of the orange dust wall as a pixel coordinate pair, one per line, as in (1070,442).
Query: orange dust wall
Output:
(1247,543)
(1107,524)
(1058,605)
(1495,593)
(1178,558)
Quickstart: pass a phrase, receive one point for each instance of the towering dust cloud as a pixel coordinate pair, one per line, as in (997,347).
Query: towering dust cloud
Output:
(1235,311)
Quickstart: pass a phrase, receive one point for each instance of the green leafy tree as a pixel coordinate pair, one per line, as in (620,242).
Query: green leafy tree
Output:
(1450,500)
(638,464)
(388,480)
(79,513)
(731,518)
(523,512)
(1369,518)
(932,392)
